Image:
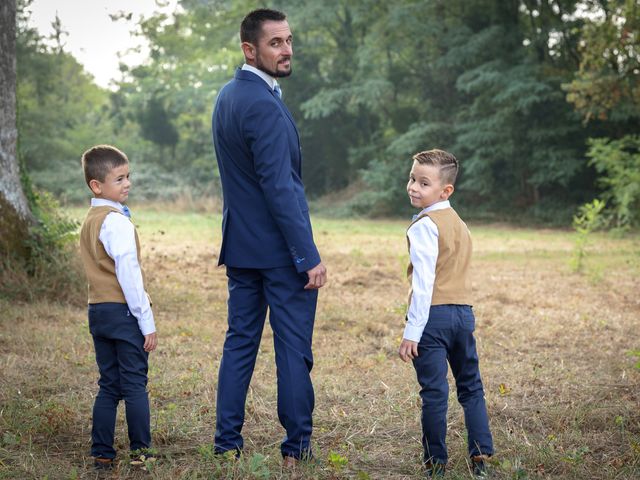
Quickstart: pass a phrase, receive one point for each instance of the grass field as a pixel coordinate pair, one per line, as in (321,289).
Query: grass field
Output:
(562,388)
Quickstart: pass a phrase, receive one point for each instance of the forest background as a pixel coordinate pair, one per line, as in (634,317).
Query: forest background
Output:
(540,101)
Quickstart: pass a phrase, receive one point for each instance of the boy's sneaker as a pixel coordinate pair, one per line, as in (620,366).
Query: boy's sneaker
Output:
(435,470)
(100,463)
(480,466)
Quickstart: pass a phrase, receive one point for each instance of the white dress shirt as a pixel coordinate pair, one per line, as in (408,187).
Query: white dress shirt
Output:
(272,82)
(423,252)
(117,234)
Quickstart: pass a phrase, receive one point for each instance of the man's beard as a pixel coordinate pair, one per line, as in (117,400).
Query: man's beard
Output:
(275,74)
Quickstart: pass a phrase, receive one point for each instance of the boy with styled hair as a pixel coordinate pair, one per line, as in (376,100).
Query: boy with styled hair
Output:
(440,320)
(120,318)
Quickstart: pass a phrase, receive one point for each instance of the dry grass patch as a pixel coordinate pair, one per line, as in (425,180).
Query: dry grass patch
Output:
(562,392)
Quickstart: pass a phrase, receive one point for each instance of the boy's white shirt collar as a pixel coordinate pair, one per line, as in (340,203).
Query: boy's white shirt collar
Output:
(103,202)
(272,82)
(436,206)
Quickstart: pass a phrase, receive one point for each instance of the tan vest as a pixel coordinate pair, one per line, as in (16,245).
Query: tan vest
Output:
(452,284)
(98,265)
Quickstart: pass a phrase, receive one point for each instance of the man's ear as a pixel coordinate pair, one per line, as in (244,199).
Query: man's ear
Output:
(249,51)
(95,186)
(446,192)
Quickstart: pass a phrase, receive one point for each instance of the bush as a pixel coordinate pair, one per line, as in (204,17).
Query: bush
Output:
(53,269)
(618,163)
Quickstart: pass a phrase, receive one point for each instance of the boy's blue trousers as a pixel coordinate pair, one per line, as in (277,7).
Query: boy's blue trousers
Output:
(448,337)
(123,366)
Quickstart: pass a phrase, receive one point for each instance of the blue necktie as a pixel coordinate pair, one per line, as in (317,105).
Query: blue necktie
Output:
(278,90)
(126,211)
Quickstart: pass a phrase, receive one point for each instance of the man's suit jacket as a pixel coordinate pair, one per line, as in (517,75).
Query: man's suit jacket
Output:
(265,221)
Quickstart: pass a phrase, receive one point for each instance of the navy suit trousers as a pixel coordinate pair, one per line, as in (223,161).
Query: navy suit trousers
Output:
(123,366)
(448,337)
(291,315)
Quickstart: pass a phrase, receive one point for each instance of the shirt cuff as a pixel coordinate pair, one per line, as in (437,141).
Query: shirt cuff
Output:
(413,333)
(147,325)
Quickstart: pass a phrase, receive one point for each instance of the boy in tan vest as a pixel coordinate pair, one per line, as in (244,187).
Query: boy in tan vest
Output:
(120,317)
(440,320)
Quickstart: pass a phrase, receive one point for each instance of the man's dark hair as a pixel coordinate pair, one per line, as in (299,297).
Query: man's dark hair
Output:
(98,161)
(251,26)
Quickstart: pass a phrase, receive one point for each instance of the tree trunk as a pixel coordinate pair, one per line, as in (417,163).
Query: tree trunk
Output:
(15,216)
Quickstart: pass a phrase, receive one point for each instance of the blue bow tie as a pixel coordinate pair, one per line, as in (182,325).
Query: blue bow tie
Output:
(126,211)
(278,90)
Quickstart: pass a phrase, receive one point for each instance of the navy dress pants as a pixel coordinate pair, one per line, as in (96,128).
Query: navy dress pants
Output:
(448,337)
(123,366)
(291,315)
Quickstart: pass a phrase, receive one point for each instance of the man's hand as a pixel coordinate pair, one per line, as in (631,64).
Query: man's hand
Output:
(150,342)
(408,350)
(317,277)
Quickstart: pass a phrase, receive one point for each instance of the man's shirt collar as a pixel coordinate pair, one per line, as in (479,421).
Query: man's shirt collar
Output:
(264,76)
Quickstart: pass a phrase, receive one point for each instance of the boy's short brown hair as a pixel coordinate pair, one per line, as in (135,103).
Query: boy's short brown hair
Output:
(446,162)
(98,161)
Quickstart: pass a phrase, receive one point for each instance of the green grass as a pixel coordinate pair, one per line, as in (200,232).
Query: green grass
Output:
(562,389)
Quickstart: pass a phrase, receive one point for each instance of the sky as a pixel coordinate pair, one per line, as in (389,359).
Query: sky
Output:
(93,38)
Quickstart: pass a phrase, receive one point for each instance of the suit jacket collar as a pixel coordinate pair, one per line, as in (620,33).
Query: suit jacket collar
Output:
(268,79)
(252,77)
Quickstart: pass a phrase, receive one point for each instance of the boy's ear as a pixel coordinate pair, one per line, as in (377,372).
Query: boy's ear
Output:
(446,192)
(95,187)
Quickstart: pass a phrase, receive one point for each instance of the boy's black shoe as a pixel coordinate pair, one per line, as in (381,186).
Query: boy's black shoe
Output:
(100,463)
(435,470)
(480,466)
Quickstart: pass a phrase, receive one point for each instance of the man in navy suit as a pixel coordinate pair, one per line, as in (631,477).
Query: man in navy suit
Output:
(267,242)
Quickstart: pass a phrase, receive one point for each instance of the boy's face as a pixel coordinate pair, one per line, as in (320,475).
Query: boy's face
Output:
(116,185)
(425,186)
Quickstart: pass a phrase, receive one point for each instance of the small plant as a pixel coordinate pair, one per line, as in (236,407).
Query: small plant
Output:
(585,222)
(514,469)
(207,452)
(257,467)
(577,455)
(337,461)
(636,354)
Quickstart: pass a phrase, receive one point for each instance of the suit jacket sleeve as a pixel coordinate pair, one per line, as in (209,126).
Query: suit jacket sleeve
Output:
(267,132)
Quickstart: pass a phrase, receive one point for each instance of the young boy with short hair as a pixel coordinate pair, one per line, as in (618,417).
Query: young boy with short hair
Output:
(120,317)
(440,321)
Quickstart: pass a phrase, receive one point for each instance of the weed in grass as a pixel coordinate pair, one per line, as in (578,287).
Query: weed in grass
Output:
(585,222)
(513,469)
(337,461)
(577,455)
(636,354)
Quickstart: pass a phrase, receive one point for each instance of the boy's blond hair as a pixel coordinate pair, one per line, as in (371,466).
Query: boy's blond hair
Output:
(446,162)
(98,161)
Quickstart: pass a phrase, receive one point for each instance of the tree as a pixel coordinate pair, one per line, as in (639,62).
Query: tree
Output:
(606,93)
(15,215)
(61,112)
